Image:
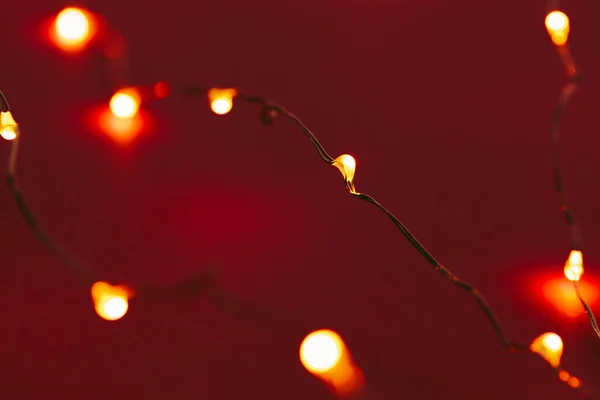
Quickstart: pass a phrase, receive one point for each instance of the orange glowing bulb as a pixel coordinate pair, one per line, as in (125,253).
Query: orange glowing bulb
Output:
(347,166)
(72,28)
(111,302)
(550,347)
(574,266)
(321,351)
(125,103)
(9,129)
(221,100)
(557,24)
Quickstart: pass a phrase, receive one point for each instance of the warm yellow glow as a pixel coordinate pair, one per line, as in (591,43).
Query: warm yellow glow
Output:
(549,346)
(221,100)
(321,351)
(111,302)
(557,24)
(9,129)
(347,166)
(125,103)
(72,28)
(574,266)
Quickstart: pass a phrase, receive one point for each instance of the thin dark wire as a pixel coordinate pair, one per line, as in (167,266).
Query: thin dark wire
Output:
(575,236)
(512,346)
(198,283)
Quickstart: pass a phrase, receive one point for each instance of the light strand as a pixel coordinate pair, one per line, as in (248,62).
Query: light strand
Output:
(558,26)
(205,282)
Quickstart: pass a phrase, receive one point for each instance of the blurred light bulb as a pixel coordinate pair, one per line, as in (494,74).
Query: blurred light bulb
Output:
(125,103)
(72,28)
(574,266)
(9,129)
(347,166)
(557,24)
(321,351)
(221,100)
(111,302)
(549,346)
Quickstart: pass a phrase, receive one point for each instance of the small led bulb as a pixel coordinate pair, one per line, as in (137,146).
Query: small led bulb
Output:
(9,129)
(574,266)
(125,103)
(111,302)
(557,24)
(321,351)
(221,100)
(73,29)
(347,166)
(550,347)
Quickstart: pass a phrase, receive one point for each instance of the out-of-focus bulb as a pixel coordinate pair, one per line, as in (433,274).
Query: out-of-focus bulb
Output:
(221,100)
(125,103)
(557,24)
(321,351)
(574,266)
(72,28)
(347,166)
(9,129)
(550,347)
(111,302)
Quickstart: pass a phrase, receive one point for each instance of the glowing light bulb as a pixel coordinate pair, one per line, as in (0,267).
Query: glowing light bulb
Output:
(72,28)
(125,103)
(221,100)
(347,166)
(574,266)
(111,302)
(321,351)
(9,129)
(557,24)
(550,347)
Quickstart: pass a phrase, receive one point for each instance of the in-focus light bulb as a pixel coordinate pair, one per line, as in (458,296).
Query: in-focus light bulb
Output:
(221,100)
(111,302)
(125,103)
(347,166)
(550,347)
(9,129)
(321,351)
(574,266)
(557,24)
(72,28)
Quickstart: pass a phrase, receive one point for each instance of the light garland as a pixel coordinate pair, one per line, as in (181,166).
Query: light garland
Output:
(322,352)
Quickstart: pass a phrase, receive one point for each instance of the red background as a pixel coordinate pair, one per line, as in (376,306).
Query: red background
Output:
(446,107)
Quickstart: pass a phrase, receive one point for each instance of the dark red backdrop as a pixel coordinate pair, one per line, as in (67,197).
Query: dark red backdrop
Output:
(444,104)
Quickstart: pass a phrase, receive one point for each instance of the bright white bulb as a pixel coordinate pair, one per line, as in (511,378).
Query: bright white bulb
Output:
(321,352)
(115,307)
(72,24)
(553,342)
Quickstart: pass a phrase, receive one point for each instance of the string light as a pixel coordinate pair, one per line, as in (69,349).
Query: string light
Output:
(9,129)
(322,352)
(125,103)
(549,346)
(221,100)
(574,266)
(557,24)
(72,29)
(347,166)
(110,302)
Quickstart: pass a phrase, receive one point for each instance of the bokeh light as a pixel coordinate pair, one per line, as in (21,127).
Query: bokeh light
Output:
(125,103)
(321,351)
(73,28)
(561,295)
(557,24)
